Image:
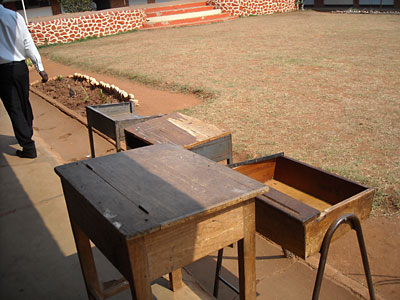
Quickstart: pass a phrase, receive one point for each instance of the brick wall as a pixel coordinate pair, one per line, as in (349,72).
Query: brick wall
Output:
(254,7)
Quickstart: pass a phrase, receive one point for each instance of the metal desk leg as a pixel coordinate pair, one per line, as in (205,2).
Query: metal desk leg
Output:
(353,221)
(91,141)
(117,139)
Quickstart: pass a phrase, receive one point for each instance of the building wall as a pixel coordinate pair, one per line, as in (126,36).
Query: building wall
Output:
(254,7)
(91,25)
(350,2)
(101,23)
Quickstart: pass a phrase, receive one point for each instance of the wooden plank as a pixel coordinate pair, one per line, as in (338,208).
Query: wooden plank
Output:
(293,207)
(261,171)
(359,205)
(113,287)
(170,183)
(177,128)
(281,227)
(126,120)
(178,245)
(302,201)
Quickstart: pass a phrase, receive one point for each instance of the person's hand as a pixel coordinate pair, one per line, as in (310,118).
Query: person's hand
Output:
(44,76)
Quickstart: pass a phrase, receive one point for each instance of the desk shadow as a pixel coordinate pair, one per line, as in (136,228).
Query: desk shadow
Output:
(32,264)
(204,269)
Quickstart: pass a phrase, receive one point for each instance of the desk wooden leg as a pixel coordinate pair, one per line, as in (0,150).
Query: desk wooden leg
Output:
(175,280)
(88,266)
(247,255)
(139,278)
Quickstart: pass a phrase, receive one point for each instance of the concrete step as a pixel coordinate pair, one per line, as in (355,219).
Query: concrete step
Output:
(184,15)
(175,7)
(193,21)
(176,11)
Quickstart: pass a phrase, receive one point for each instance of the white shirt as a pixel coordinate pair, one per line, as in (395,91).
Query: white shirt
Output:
(16,43)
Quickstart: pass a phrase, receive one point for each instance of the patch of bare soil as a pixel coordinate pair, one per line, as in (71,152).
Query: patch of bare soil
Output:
(75,94)
(151,101)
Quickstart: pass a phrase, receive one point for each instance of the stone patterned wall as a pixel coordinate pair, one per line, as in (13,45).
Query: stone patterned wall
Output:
(253,7)
(111,22)
(91,25)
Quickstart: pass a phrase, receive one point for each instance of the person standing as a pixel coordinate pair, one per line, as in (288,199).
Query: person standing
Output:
(16,45)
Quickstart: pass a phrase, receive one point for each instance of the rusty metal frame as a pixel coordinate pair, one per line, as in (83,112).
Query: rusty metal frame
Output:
(349,219)
(355,224)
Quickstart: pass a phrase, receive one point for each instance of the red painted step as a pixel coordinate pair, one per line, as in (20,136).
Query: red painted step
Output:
(172,7)
(184,15)
(193,21)
(177,11)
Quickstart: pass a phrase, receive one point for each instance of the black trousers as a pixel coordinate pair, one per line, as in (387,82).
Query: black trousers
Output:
(14,92)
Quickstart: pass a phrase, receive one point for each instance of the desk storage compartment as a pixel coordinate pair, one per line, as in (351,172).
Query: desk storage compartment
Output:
(111,119)
(302,202)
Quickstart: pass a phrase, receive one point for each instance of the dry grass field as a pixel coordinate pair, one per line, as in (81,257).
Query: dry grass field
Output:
(322,87)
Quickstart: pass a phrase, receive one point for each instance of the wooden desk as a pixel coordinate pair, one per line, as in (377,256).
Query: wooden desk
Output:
(155,209)
(190,133)
(111,119)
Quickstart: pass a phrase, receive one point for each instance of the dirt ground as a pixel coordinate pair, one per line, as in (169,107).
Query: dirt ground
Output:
(151,101)
(321,87)
(75,94)
(382,234)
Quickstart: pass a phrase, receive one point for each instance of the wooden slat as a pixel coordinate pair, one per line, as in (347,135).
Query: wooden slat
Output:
(177,246)
(292,206)
(301,197)
(261,171)
(113,287)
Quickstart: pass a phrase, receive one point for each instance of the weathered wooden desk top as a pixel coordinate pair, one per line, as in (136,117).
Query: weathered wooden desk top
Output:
(177,128)
(155,209)
(145,189)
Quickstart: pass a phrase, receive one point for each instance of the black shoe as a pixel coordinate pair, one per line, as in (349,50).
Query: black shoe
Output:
(26,154)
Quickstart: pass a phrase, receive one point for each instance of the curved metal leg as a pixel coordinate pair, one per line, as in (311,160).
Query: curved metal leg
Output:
(353,221)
